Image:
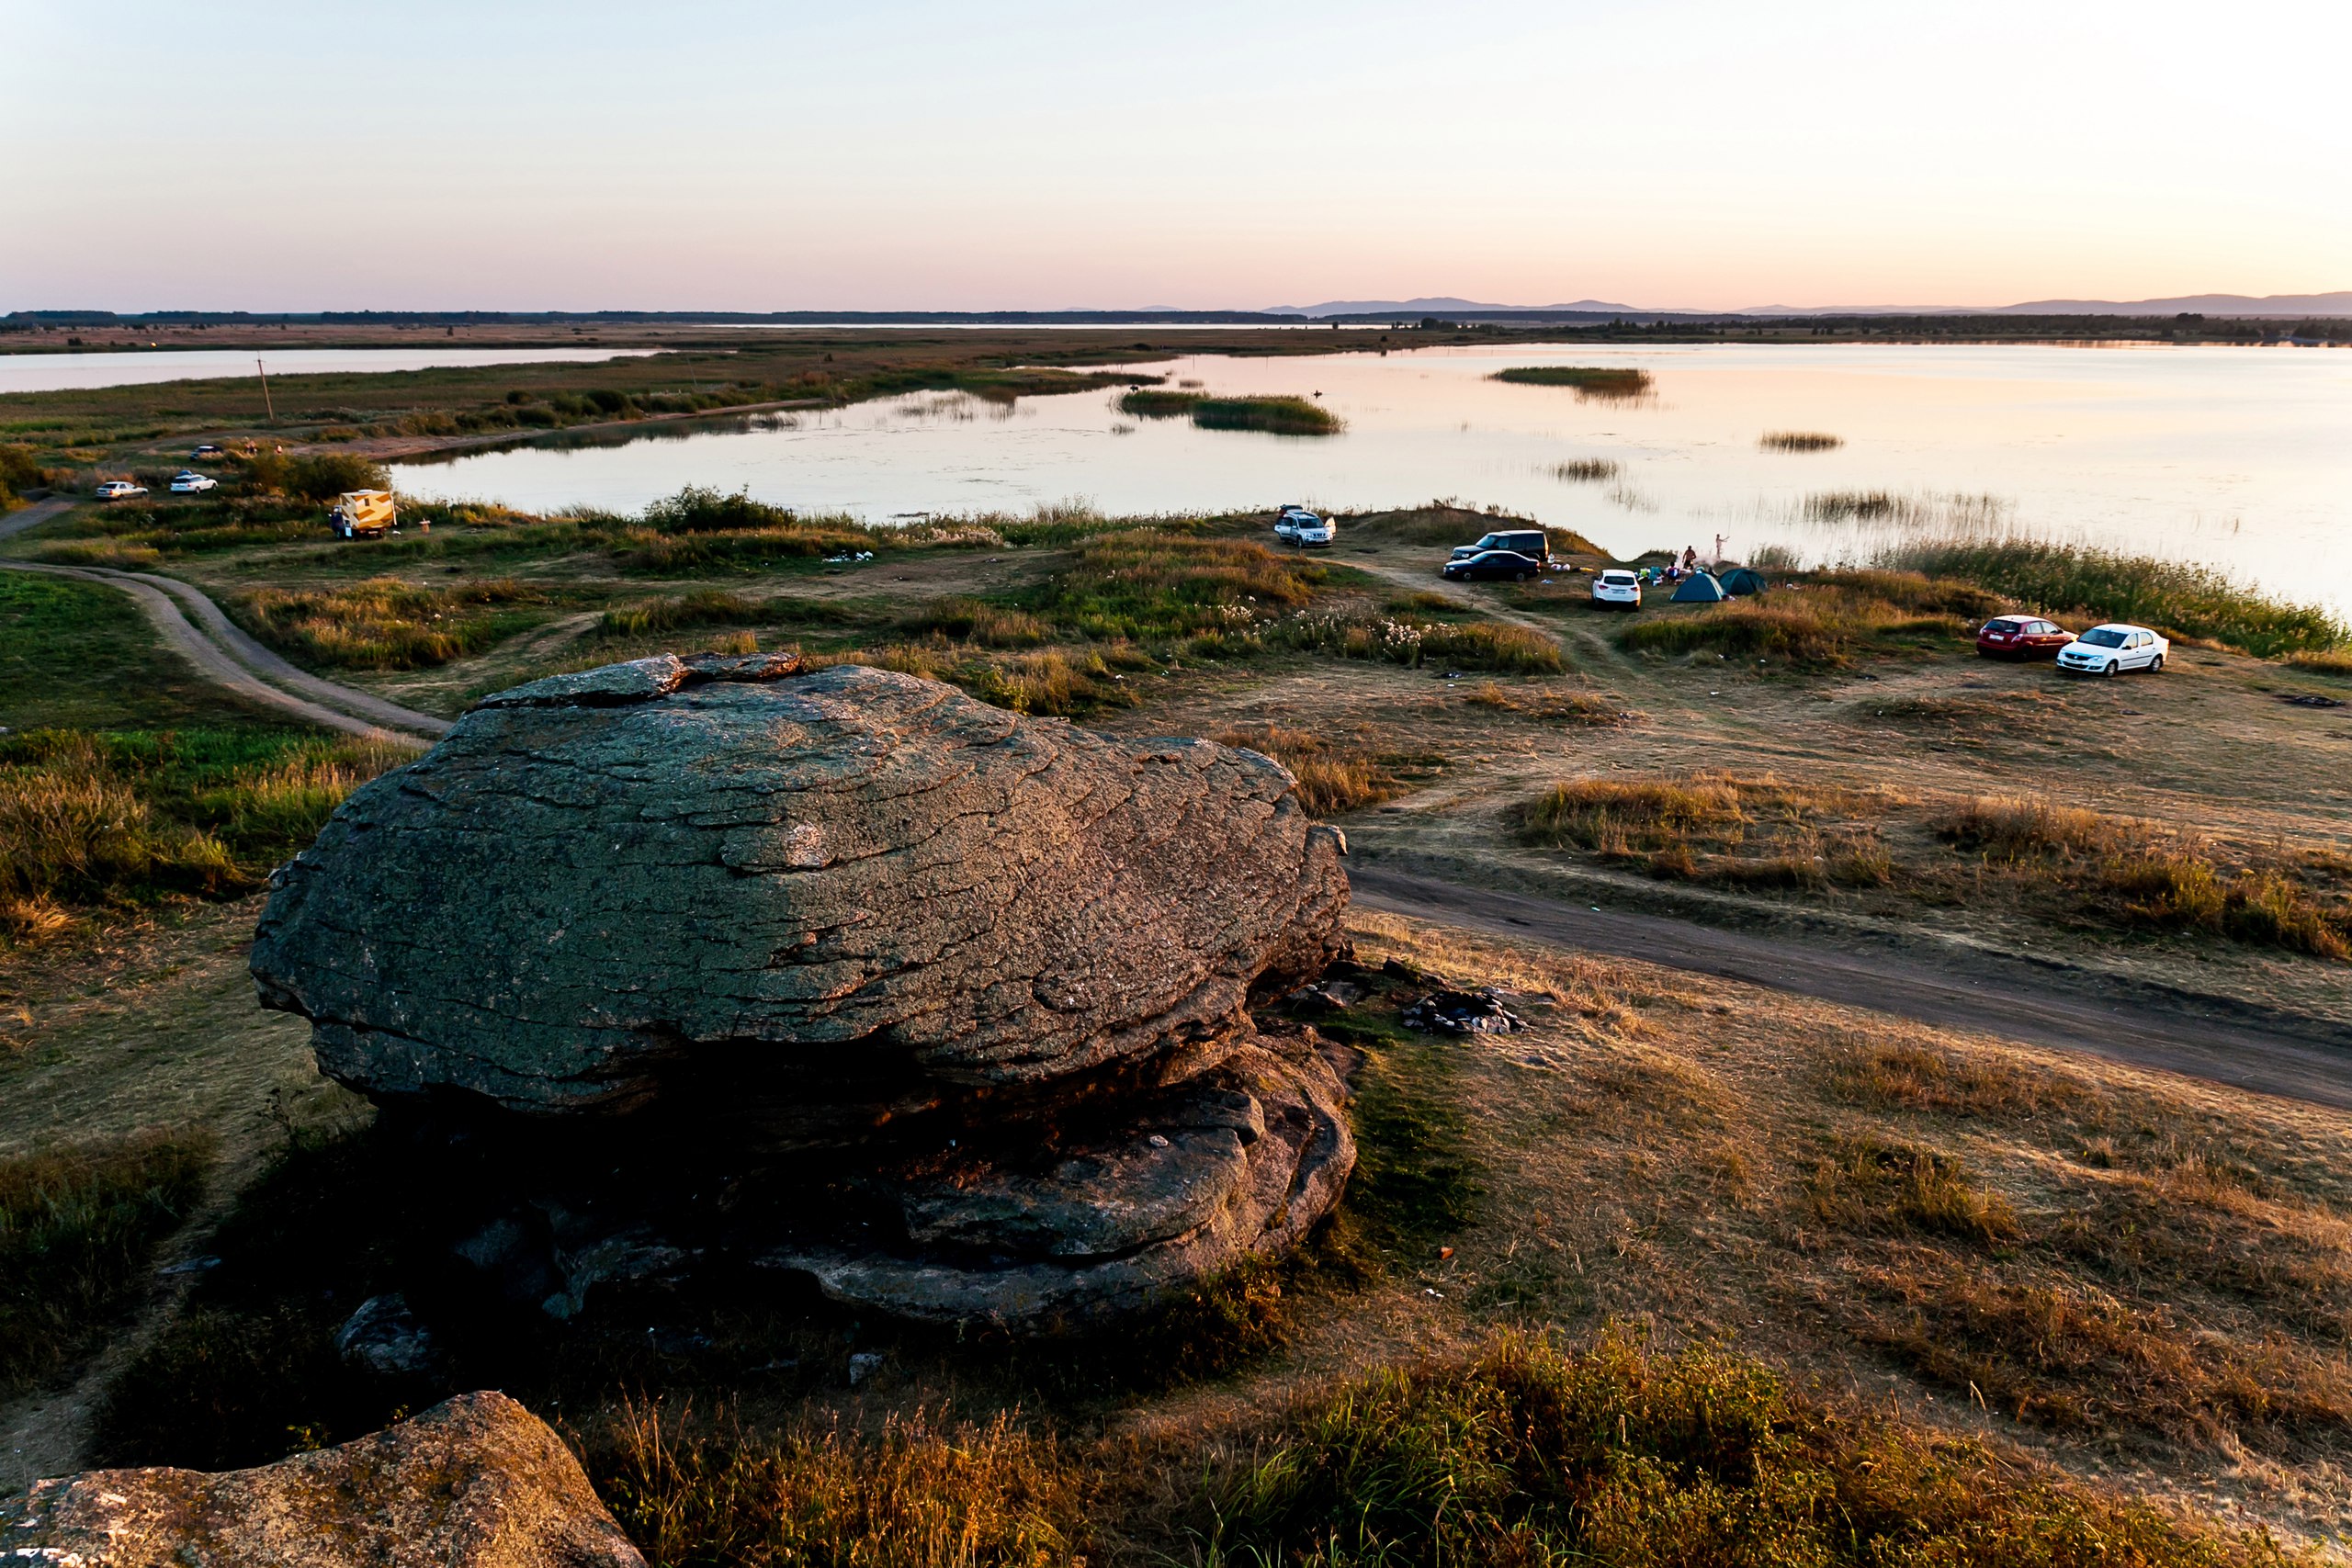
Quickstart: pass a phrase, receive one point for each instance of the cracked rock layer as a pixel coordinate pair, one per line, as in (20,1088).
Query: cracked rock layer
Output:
(811,903)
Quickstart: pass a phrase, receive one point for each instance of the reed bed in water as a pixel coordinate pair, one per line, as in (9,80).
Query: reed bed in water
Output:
(1585,470)
(1588,380)
(1799,441)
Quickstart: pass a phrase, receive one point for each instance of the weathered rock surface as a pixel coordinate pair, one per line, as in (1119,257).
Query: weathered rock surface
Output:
(1242,1160)
(817,901)
(844,972)
(476,1483)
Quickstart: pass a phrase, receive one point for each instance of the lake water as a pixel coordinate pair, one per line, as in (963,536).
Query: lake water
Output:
(138,368)
(2238,457)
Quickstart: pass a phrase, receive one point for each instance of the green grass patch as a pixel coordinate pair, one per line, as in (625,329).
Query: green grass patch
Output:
(1156,402)
(80,655)
(2081,584)
(1275,415)
(1416,1181)
(78,1227)
(705,607)
(1152,584)
(1588,380)
(1530,1452)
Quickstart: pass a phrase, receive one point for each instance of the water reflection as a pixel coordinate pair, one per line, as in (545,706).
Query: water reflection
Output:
(2239,458)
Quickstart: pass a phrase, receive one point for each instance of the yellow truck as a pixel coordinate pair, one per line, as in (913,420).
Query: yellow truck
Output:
(363,513)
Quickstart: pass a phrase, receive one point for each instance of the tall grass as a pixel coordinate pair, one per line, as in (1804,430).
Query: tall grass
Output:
(922,1493)
(1821,625)
(77,1227)
(705,607)
(1154,403)
(1279,416)
(1151,583)
(2082,583)
(90,821)
(385,623)
(1531,1453)
(1799,441)
(1332,778)
(1590,380)
(1585,470)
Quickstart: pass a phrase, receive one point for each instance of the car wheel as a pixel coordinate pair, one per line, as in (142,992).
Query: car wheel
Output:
(2155,664)
(1520,576)
(2112,666)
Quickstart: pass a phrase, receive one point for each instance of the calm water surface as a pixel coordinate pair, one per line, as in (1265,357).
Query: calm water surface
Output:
(2241,458)
(69,372)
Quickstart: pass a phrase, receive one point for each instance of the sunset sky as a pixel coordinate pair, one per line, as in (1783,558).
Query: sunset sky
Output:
(769,156)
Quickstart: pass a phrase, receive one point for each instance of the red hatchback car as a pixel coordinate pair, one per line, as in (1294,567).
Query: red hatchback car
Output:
(2021,636)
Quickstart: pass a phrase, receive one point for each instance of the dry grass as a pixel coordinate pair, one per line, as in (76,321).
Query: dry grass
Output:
(2128,872)
(1529,1452)
(1401,640)
(1546,704)
(705,607)
(1756,832)
(386,623)
(1331,778)
(1820,624)
(920,1492)
(2330,663)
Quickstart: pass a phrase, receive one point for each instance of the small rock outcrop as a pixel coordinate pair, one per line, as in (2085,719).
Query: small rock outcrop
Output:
(476,1483)
(992,973)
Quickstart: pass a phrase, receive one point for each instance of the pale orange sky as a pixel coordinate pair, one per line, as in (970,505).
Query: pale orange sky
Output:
(759,156)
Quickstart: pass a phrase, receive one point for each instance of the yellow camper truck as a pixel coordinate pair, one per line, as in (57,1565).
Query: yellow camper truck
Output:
(363,513)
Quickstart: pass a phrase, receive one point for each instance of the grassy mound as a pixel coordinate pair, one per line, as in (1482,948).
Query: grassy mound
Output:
(1821,625)
(386,623)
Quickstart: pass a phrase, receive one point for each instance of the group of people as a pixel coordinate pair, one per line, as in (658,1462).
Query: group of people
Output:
(1676,570)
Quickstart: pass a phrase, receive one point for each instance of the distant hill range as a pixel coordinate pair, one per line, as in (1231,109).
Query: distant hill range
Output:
(2273,305)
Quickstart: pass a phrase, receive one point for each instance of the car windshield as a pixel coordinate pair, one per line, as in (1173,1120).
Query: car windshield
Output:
(1617,579)
(2103,637)
(2004,625)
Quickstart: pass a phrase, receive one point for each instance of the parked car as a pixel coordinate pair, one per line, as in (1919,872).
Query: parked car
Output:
(1492,566)
(206,450)
(187,483)
(120,490)
(1301,526)
(1531,542)
(2112,649)
(2020,637)
(1615,586)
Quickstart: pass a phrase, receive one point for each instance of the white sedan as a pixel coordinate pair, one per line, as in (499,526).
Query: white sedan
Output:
(189,483)
(2112,649)
(119,489)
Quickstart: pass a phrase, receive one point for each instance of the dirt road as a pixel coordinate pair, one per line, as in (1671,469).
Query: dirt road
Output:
(226,656)
(2289,1054)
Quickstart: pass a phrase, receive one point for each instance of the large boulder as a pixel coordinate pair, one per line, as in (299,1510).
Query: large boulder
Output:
(811,902)
(840,973)
(476,1483)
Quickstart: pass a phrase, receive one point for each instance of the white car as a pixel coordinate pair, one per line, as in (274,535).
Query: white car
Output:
(1617,587)
(1301,526)
(2112,649)
(117,490)
(187,483)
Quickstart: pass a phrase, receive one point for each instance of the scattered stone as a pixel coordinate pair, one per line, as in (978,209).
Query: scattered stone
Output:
(385,1337)
(864,1365)
(476,1483)
(1462,1012)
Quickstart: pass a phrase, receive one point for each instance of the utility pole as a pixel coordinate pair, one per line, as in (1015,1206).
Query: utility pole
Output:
(264,389)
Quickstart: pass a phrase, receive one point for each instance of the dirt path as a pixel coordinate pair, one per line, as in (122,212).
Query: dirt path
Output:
(2289,1055)
(225,656)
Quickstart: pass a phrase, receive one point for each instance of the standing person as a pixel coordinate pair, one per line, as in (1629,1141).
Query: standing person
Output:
(1690,557)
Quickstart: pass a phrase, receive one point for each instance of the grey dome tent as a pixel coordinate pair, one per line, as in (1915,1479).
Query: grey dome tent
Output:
(1699,588)
(1742,579)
